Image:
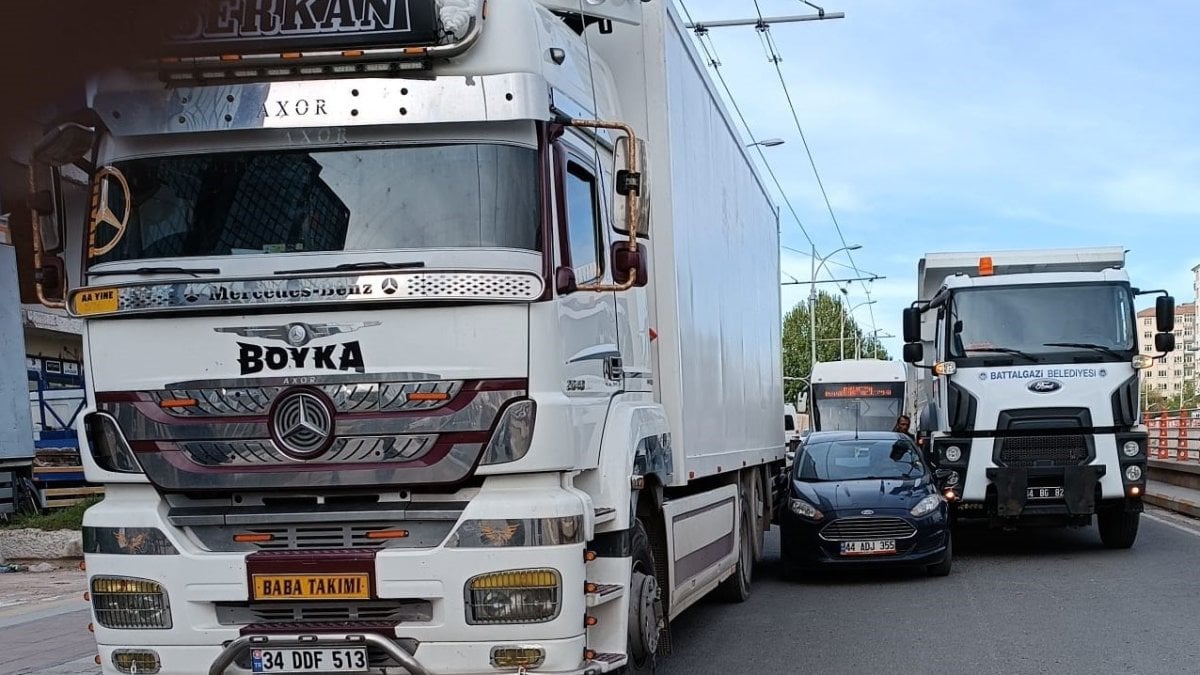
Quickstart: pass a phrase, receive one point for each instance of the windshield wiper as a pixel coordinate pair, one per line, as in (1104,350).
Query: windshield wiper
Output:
(357,267)
(1086,345)
(194,271)
(1005,350)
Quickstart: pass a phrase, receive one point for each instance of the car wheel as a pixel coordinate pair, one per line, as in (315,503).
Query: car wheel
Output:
(942,569)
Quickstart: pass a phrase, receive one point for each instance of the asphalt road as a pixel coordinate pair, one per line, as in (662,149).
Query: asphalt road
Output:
(1039,602)
(1043,601)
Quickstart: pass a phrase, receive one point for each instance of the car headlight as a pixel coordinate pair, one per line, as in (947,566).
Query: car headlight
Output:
(1131,448)
(927,505)
(953,453)
(1133,473)
(804,509)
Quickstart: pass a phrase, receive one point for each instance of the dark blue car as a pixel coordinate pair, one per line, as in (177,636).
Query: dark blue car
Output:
(862,500)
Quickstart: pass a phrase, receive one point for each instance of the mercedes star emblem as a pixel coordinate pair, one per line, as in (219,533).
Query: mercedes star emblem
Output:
(302,423)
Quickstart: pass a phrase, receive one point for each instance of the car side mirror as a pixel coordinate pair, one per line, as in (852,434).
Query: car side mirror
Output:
(1164,342)
(914,352)
(912,324)
(564,280)
(627,261)
(1164,314)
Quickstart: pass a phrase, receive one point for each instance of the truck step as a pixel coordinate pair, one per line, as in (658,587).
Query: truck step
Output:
(605,593)
(605,514)
(613,661)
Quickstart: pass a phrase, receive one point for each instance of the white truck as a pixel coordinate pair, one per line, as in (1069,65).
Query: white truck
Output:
(424,337)
(1029,367)
(858,394)
(16,425)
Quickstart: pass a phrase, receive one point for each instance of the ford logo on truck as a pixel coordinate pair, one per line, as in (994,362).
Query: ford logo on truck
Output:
(1044,386)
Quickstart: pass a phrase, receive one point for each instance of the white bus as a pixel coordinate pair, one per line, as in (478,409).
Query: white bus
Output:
(860,394)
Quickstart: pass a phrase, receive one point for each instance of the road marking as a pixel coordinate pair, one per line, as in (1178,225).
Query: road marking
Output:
(1168,522)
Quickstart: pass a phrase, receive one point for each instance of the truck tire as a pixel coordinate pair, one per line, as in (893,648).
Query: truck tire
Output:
(1118,527)
(737,587)
(646,618)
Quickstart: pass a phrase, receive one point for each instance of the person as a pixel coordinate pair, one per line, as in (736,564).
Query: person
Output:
(902,426)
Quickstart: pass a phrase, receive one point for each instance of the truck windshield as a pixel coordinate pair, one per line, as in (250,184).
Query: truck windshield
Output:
(858,406)
(358,199)
(1042,319)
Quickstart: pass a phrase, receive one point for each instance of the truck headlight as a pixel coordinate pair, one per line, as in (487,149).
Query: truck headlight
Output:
(127,541)
(1131,448)
(108,445)
(927,505)
(514,596)
(804,509)
(1133,473)
(953,453)
(518,532)
(513,434)
(129,603)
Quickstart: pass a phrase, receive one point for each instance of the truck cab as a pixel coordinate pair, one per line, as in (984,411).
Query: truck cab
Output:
(1029,363)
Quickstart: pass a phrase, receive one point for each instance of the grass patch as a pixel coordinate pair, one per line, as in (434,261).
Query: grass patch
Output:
(69,518)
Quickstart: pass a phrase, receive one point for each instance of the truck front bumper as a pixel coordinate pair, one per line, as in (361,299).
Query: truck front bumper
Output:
(1019,491)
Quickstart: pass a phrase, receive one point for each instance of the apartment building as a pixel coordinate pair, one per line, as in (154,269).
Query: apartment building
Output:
(1167,377)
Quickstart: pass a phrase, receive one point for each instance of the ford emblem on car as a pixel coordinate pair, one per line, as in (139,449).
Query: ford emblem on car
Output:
(1044,386)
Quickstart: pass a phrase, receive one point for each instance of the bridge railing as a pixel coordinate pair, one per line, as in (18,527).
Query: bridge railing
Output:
(1174,434)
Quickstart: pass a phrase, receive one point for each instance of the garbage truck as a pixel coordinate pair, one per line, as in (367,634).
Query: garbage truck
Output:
(422,336)
(1028,362)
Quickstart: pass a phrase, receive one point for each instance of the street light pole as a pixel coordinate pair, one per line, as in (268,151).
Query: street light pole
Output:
(842,338)
(812,299)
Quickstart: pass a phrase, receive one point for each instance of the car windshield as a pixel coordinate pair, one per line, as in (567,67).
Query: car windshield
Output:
(349,199)
(858,460)
(1041,319)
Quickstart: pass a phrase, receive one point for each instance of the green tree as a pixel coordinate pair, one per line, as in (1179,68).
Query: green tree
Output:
(797,345)
(1155,401)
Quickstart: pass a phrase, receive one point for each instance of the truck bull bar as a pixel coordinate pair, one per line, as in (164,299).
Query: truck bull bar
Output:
(232,650)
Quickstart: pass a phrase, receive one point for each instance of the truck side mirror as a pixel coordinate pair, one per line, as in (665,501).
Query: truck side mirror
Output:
(1164,342)
(65,144)
(912,324)
(1164,314)
(914,352)
(564,280)
(626,261)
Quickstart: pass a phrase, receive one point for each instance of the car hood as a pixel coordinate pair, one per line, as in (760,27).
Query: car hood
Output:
(863,494)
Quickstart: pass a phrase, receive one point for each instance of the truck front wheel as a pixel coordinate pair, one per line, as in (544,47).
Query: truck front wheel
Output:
(1118,527)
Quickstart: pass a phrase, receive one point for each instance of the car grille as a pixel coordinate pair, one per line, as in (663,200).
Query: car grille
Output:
(1029,451)
(389,611)
(864,528)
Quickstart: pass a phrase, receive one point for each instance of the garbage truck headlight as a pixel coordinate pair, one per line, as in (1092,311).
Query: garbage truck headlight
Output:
(953,453)
(1131,448)
(1133,473)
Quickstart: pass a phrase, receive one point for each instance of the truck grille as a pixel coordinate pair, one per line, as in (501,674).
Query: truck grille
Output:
(862,528)
(387,611)
(1030,451)
(326,536)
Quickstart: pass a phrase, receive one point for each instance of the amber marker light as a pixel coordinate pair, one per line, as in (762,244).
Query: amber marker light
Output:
(177,403)
(253,538)
(427,396)
(388,534)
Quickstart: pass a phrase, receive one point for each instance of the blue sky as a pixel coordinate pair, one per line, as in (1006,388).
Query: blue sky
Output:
(962,125)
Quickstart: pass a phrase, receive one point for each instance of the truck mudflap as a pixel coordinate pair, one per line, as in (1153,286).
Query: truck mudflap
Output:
(1078,484)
